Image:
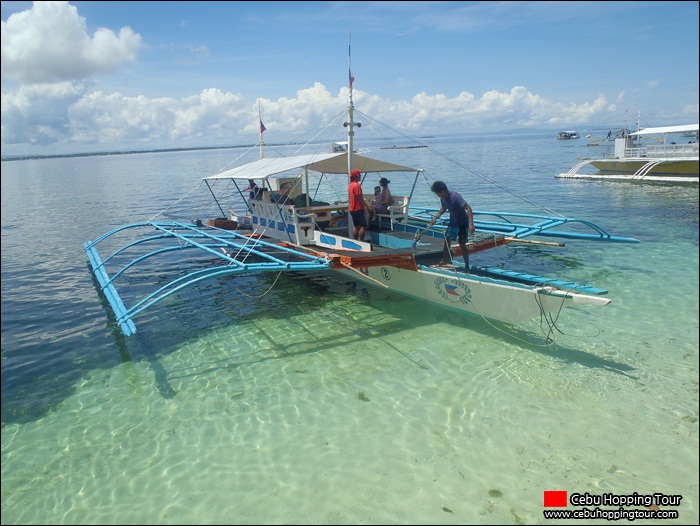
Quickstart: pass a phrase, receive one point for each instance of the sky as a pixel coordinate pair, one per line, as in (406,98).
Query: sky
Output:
(82,77)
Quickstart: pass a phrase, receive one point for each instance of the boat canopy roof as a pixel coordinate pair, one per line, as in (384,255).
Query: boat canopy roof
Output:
(329,163)
(668,129)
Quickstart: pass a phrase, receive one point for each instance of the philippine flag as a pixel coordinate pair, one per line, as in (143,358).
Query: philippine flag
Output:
(451,289)
(351,79)
(262,127)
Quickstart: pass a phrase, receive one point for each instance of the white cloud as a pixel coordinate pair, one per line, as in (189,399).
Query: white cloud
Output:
(37,114)
(49,63)
(49,43)
(68,113)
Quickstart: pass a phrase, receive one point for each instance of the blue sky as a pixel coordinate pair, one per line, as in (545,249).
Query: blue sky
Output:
(108,76)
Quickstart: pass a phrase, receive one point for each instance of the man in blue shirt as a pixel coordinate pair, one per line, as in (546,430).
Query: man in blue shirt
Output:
(253,188)
(461,221)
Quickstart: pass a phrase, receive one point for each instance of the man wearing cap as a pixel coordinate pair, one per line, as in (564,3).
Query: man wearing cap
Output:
(357,206)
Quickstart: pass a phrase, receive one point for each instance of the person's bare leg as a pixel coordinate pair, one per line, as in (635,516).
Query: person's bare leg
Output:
(465,256)
(446,255)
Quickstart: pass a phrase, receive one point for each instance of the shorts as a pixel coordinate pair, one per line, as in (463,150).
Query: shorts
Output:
(359,219)
(457,232)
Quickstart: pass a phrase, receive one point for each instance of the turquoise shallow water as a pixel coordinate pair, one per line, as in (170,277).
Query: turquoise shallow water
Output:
(285,400)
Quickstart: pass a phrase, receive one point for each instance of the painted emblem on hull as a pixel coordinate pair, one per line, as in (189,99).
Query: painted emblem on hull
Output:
(453,291)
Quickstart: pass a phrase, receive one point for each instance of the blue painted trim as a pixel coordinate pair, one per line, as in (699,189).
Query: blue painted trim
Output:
(349,244)
(209,240)
(328,240)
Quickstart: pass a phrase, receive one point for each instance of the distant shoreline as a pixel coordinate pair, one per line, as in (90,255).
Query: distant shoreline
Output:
(402,147)
(26,157)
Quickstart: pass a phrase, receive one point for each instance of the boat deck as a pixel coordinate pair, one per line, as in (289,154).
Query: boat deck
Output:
(397,248)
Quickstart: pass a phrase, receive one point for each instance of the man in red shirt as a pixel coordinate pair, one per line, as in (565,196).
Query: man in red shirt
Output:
(357,206)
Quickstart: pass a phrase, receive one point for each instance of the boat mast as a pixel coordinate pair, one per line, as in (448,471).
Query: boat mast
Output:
(351,123)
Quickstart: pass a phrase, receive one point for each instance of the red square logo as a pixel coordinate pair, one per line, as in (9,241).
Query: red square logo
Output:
(555,499)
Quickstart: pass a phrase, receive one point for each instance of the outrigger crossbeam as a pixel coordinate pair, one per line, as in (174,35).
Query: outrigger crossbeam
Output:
(240,253)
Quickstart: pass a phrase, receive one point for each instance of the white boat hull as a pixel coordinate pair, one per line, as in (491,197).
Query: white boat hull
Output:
(481,296)
(631,177)
(666,167)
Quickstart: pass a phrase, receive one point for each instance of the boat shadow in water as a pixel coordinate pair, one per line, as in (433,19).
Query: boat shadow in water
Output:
(542,342)
(377,315)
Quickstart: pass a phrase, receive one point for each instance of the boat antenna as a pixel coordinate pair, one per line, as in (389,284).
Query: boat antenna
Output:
(350,124)
(262,129)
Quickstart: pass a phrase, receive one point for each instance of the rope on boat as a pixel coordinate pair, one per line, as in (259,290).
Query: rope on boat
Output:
(250,239)
(551,322)
(549,341)
(259,295)
(176,202)
(363,275)
(467,169)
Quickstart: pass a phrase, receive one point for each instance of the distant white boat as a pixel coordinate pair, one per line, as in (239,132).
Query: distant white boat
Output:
(568,135)
(342,147)
(667,161)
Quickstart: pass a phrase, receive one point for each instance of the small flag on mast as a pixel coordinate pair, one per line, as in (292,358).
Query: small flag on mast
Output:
(351,79)
(262,127)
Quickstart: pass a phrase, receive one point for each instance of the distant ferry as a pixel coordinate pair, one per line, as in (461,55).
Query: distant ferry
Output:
(568,135)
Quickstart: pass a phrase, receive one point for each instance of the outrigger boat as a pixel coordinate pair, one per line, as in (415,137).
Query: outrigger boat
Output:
(306,234)
(631,161)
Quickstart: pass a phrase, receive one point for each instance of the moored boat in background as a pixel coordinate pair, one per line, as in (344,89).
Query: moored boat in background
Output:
(568,135)
(673,159)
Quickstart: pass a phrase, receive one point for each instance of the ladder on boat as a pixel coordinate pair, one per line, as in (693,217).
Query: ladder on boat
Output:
(646,169)
(576,168)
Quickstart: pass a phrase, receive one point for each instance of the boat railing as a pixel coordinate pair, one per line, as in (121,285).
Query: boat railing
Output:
(636,152)
(297,225)
(673,151)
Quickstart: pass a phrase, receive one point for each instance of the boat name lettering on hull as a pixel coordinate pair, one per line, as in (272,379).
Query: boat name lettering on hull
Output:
(457,292)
